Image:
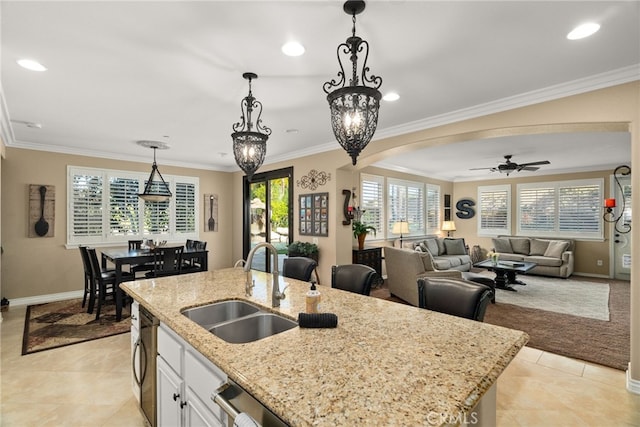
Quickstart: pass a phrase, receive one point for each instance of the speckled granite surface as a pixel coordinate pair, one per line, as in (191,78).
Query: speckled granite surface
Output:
(385,363)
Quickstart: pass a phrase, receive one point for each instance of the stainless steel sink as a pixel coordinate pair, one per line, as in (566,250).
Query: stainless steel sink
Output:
(213,314)
(252,328)
(238,322)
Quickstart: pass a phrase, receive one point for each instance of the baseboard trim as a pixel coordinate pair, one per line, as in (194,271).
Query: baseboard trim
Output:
(41,299)
(633,386)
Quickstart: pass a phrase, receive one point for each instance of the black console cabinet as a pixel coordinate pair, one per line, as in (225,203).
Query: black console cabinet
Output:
(371,257)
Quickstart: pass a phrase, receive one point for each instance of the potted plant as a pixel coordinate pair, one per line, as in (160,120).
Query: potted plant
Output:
(305,249)
(360,231)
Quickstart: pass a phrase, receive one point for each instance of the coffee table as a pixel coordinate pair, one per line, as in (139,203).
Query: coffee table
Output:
(506,272)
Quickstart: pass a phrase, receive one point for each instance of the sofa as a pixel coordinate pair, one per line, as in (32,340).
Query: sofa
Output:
(405,266)
(446,253)
(554,257)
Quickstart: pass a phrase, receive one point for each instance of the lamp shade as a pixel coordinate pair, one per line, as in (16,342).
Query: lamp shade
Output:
(400,227)
(448,226)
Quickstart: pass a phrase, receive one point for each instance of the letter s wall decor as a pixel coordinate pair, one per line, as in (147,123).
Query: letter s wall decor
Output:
(465,209)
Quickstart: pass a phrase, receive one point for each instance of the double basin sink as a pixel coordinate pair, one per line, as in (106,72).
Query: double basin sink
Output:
(238,322)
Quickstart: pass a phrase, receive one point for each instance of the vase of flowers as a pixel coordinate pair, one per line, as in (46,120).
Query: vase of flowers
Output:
(360,231)
(494,257)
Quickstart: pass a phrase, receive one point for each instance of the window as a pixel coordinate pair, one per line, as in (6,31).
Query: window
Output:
(495,210)
(372,201)
(406,202)
(104,207)
(433,209)
(565,208)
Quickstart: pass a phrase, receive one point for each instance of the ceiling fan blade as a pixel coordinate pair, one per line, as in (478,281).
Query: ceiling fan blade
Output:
(542,162)
(527,168)
(477,169)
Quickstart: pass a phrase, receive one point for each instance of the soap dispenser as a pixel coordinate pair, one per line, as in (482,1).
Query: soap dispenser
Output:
(313,299)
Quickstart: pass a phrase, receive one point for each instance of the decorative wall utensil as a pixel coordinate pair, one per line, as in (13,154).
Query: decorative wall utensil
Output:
(41,210)
(210,212)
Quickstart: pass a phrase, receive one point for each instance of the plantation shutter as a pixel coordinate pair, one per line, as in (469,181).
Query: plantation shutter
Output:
(124,206)
(579,209)
(86,206)
(433,209)
(537,209)
(406,202)
(185,207)
(494,217)
(372,201)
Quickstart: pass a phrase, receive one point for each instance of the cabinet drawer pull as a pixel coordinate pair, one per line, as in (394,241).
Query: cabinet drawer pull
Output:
(176,396)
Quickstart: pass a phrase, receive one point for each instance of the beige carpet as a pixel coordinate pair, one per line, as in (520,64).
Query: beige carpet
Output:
(575,297)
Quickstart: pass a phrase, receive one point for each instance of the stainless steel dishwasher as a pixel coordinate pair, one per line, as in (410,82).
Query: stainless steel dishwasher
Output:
(148,348)
(234,400)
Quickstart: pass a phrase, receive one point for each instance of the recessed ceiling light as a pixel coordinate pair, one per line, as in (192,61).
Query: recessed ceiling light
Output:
(583,30)
(32,65)
(292,48)
(292,131)
(391,96)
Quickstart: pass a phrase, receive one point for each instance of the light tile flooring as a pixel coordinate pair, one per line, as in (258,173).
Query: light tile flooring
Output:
(88,384)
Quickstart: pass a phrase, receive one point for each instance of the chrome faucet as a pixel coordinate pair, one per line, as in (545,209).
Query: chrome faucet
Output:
(276,294)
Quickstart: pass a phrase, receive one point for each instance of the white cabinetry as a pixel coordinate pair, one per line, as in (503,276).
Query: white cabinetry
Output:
(135,349)
(185,382)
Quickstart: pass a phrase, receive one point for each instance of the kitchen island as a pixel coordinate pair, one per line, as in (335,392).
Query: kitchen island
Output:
(385,364)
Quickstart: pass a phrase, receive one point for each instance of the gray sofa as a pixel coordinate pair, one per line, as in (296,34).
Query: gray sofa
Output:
(446,253)
(554,257)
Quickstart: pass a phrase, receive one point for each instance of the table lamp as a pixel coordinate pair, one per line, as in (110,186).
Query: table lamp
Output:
(448,226)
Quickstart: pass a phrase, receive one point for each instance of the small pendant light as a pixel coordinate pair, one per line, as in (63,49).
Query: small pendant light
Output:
(155,190)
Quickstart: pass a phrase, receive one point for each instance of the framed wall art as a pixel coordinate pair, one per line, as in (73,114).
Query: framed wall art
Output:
(314,214)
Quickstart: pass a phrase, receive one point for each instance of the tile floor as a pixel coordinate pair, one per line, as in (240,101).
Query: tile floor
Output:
(88,384)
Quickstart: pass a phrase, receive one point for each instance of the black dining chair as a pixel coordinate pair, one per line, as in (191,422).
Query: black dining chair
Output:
(167,261)
(89,292)
(138,268)
(456,297)
(103,281)
(298,267)
(192,264)
(356,278)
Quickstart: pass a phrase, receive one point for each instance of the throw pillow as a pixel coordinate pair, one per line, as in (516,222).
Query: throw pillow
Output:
(556,248)
(520,246)
(455,246)
(418,249)
(538,247)
(427,261)
(441,249)
(502,245)
(432,246)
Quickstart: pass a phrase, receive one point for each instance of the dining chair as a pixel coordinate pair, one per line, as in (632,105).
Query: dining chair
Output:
(193,263)
(300,268)
(456,297)
(167,261)
(137,268)
(356,278)
(103,281)
(88,280)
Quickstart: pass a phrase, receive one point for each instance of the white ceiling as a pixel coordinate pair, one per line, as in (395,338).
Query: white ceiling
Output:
(119,72)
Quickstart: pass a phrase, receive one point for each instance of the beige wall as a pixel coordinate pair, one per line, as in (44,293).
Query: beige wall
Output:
(41,266)
(587,251)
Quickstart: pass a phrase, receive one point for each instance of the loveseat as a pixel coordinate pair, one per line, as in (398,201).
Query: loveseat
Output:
(554,257)
(446,253)
(405,266)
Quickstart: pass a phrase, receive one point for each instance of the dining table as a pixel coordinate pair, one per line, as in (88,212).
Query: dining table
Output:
(124,256)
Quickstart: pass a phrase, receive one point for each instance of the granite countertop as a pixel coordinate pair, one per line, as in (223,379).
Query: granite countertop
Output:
(386,362)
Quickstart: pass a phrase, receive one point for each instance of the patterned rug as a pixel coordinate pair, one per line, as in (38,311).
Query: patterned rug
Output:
(62,323)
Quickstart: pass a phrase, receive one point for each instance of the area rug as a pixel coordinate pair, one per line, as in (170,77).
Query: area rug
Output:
(62,323)
(575,297)
(606,343)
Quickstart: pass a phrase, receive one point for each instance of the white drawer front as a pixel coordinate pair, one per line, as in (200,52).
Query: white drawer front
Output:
(170,348)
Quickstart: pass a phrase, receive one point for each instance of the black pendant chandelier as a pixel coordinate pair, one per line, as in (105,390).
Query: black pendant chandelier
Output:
(354,107)
(155,190)
(250,147)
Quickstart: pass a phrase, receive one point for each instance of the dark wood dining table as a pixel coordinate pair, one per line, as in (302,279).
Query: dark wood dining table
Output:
(123,256)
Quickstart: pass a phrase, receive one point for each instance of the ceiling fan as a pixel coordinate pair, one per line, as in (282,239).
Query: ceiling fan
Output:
(508,166)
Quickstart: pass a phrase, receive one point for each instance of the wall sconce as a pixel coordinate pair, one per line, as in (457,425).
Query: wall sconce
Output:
(347,208)
(400,227)
(610,204)
(448,226)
